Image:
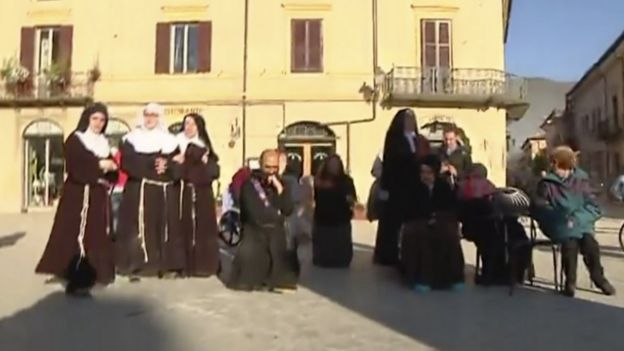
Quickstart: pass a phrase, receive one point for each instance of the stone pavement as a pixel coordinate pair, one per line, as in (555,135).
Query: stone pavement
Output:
(363,308)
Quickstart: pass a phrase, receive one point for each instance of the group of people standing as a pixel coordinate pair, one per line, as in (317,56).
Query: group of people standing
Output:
(159,232)
(167,225)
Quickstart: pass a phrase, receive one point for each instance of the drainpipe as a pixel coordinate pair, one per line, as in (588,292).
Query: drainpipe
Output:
(244,94)
(347,124)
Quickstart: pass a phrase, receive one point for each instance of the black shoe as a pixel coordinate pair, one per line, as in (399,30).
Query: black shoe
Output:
(569,290)
(606,288)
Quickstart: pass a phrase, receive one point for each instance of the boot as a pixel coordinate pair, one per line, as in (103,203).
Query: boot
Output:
(590,250)
(569,259)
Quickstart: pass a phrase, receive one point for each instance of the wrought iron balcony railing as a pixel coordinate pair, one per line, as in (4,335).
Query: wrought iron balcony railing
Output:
(455,86)
(75,88)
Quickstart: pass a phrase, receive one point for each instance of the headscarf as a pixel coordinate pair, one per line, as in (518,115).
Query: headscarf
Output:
(94,142)
(157,139)
(201,139)
(396,132)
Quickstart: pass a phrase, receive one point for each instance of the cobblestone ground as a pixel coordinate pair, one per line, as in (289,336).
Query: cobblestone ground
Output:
(363,308)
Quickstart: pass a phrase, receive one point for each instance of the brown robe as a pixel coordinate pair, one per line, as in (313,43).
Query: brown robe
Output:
(431,252)
(261,258)
(83,171)
(162,249)
(199,219)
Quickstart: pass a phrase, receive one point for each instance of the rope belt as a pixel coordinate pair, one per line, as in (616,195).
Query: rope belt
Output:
(83,223)
(84,212)
(194,202)
(163,186)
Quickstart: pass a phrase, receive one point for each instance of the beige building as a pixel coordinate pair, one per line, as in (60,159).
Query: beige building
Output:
(595,115)
(310,76)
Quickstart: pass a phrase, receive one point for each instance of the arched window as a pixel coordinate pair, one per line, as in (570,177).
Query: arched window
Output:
(175,128)
(44,165)
(115,130)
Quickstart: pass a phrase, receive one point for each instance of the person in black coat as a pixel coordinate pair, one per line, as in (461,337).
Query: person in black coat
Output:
(431,254)
(334,195)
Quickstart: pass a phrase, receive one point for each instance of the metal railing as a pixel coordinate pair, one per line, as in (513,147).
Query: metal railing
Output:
(41,88)
(406,81)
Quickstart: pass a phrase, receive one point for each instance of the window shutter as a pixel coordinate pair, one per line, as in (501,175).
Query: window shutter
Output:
(429,49)
(66,39)
(444,44)
(204,46)
(27,48)
(315,46)
(163,42)
(298,45)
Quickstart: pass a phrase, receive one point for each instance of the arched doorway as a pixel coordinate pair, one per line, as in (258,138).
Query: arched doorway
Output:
(43,163)
(434,132)
(175,128)
(115,130)
(307,144)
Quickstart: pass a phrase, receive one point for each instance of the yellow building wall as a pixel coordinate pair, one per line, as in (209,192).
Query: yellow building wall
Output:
(119,36)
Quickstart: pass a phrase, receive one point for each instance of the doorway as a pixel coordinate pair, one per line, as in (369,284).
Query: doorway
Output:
(307,144)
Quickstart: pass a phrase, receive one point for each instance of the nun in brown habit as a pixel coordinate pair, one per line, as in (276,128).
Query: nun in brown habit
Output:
(149,240)
(199,220)
(79,250)
(431,254)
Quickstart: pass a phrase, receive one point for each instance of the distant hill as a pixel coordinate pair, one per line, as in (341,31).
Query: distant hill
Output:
(544,95)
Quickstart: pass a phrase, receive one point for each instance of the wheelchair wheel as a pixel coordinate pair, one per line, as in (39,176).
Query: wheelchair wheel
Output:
(621,237)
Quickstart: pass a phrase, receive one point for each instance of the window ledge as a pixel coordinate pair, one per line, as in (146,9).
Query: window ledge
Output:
(434,7)
(307,6)
(183,9)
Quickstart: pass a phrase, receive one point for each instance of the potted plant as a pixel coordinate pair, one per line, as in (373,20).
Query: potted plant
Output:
(57,78)
(94,74)
(15,76)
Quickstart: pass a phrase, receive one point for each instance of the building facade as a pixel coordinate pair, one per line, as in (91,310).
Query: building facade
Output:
(310,76)
(594,115)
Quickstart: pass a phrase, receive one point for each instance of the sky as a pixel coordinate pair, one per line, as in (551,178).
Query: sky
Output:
(561,39)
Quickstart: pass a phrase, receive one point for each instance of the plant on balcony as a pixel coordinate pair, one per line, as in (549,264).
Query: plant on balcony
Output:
(15,76)
(57,78)
(94,74)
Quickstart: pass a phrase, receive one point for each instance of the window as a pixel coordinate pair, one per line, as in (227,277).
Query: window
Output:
(183,47)
(436,43)
(47,47)
(306,46)
(184,56)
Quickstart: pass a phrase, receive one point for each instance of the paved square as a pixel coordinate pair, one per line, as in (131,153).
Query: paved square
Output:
(363,308)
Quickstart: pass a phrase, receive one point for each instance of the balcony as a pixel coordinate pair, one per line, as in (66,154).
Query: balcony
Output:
(608,131)
(74,90)
(456,87)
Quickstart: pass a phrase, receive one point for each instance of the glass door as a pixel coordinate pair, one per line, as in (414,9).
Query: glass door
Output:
(318,155)
(296,159)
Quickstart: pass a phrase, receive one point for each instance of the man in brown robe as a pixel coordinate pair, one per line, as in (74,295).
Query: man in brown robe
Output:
(262,259)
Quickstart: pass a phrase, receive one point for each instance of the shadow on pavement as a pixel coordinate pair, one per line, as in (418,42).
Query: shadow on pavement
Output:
(477,319)
(60,323)
(12,239)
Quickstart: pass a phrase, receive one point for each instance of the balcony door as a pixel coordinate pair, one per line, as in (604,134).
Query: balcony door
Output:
(436,55)
(307,145)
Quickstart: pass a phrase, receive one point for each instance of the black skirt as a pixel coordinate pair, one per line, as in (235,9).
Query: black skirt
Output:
(332,246)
